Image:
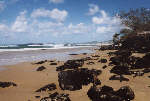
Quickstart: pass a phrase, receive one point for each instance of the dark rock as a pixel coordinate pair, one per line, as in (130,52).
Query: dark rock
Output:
(125,93)
(53,95)
(103,61)
(87,58)
(46,99)
(73,54)
(104,67)
(37,96)
(53,64)
(100,94)
(48,87)
(147,70)
(57,97)
(41,62)
(74,79)
(90,63)
(120,70)
(71,64)
(107,93)
(7,84)
(84,53)
(118,77)
(41,68)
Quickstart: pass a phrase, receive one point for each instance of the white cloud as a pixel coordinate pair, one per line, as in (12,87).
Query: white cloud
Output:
(93,9)
(59,15)
(80,28)
(20,25)
(56,1)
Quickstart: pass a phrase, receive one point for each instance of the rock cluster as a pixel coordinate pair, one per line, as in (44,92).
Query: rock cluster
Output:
(71,64)
(56,97)
(107,93)
(74,79)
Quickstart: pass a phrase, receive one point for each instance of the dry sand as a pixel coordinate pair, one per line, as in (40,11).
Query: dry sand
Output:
(29,80)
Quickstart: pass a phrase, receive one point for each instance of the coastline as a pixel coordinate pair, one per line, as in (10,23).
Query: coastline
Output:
(15,57)
(29,80)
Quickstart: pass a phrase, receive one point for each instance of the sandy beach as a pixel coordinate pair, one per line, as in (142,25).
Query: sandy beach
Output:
(28,80)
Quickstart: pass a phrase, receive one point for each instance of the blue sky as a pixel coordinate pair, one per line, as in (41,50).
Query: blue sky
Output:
(61,21)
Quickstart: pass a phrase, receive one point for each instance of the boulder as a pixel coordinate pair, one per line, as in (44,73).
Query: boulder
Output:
(107,93)
(74,79)
(41,68)
(126,93)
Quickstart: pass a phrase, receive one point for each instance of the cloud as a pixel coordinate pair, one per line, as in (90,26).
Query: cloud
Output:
(3,27)
(2,5)
(56,1)
(59,15)
(20,24)
(80,28)
(93,9)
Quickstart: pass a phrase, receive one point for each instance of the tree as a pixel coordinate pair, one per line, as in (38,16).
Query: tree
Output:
(137,20)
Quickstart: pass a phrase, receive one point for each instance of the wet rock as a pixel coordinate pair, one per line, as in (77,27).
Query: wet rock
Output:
(53,64)
(48,87)
(107,93)
(90,63)
(118,77)
(103,61)
(41,62)
(41,68)
(7,84)
(74,79)
(71,64)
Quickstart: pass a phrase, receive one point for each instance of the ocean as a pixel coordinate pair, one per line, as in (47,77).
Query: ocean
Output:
(13,54)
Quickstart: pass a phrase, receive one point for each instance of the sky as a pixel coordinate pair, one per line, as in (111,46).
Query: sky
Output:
(62,21)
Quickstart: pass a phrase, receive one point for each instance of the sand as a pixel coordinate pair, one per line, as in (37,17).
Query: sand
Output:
(28,80)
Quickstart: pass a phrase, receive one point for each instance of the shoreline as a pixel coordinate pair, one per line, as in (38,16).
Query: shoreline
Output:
(28,80)
(37,55)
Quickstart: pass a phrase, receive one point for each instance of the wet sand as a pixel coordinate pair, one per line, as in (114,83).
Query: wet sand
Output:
(29,80)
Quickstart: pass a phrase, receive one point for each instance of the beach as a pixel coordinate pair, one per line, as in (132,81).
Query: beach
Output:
(28,79)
